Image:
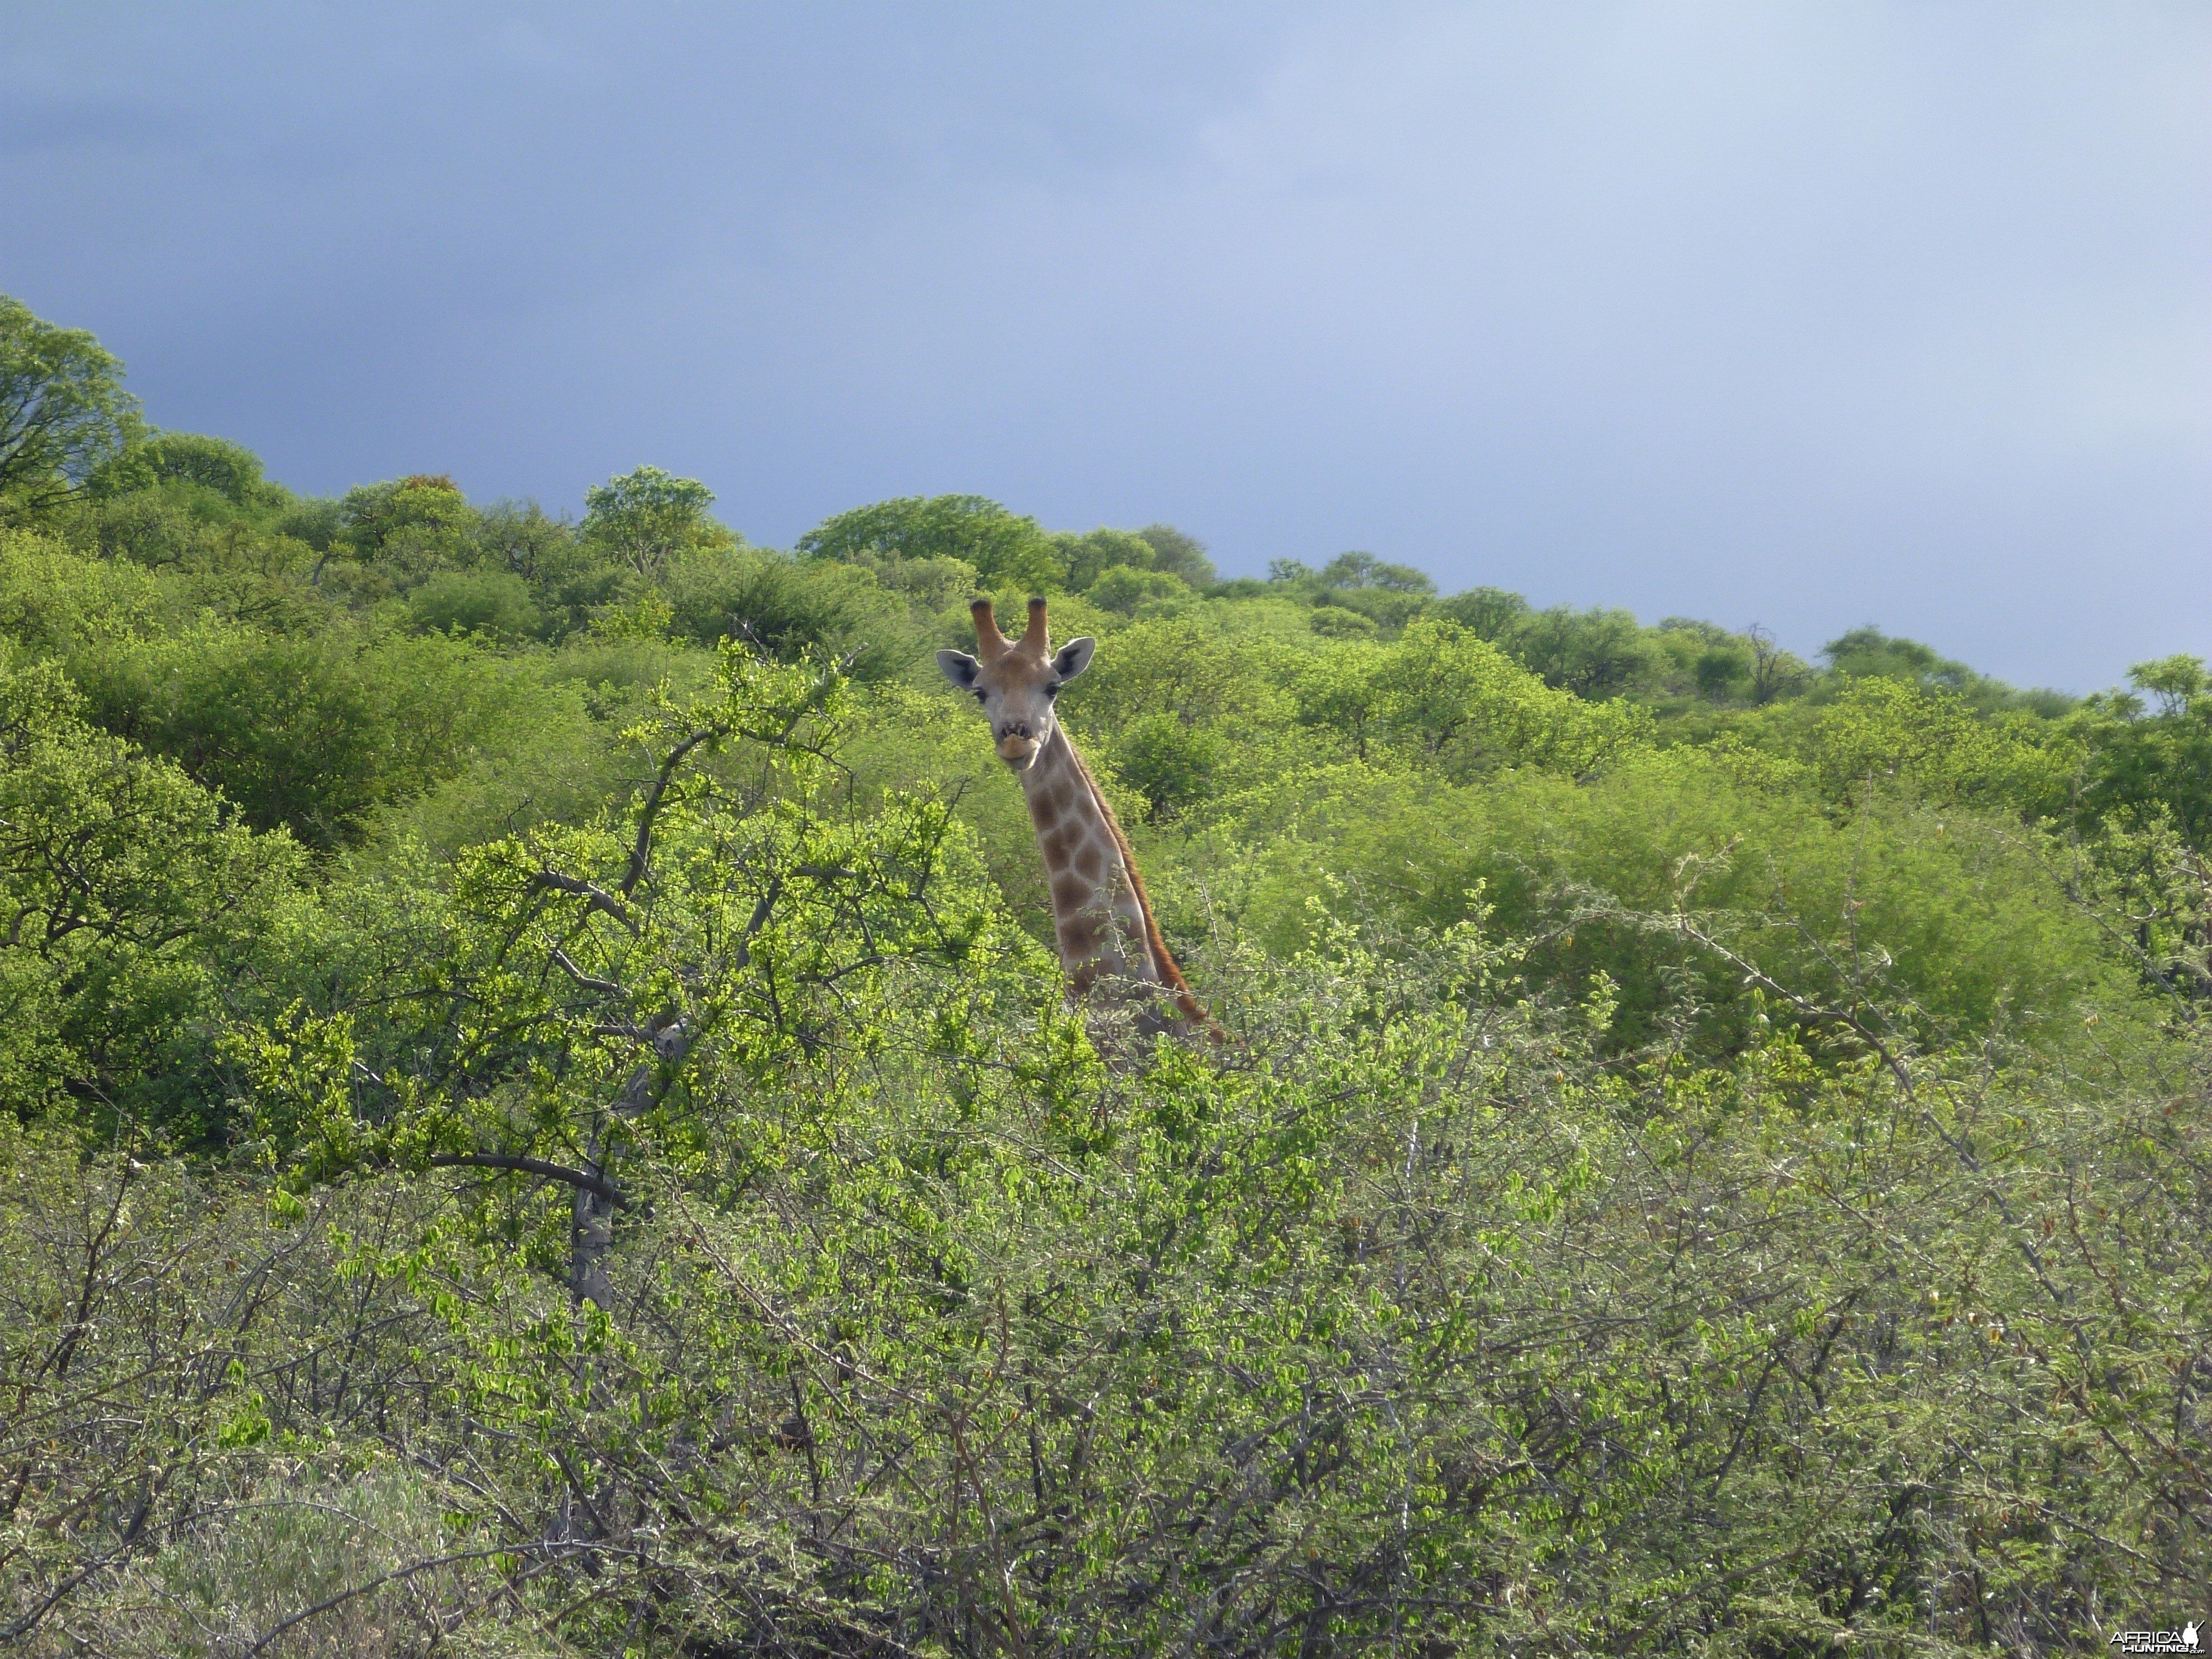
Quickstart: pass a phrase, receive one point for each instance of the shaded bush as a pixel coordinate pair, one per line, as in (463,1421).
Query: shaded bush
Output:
(311,734)
(786,608)
(493,603)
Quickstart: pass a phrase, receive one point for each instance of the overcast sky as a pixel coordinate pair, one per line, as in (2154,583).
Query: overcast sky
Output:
(1807,315)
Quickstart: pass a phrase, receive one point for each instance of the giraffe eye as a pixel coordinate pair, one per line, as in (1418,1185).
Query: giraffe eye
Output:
(980,697)
(1052,691)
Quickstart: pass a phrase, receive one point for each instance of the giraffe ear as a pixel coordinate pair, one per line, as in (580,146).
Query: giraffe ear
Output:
(1073,658)
(960,668)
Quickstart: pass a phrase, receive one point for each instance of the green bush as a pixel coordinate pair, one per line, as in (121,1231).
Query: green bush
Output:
(1644,874)
(493,603)
(311,734)
(787,608)
(1341,622)
(227,471)
(129,893)
(1126,590)
(1172,763)
(1004,549)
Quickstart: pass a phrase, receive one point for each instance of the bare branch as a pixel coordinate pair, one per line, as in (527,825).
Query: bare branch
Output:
(599,899)
(587,982)
(641,852)
(583,1179)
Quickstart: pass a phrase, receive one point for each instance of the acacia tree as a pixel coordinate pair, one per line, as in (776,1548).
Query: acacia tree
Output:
(1007,549)
(647,517)
(2146,766)
(125,886)
(63,411)
(1456,700)
(601,983)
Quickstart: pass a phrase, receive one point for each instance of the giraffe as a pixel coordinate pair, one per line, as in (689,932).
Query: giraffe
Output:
(1103,921)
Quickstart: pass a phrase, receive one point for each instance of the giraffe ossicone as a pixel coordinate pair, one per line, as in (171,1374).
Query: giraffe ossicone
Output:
(1107,937)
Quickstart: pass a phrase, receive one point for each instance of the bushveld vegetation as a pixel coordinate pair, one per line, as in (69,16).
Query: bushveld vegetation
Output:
(540,1120)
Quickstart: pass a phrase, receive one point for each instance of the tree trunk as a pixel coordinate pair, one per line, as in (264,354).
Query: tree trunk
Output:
(591,1226)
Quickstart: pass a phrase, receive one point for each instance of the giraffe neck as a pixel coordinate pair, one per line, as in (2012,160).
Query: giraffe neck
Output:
(1104,923)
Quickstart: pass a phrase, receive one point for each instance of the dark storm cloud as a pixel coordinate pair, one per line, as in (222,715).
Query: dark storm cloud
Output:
(1815,316)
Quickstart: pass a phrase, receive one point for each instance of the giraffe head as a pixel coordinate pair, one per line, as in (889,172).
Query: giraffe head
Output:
(1016,681)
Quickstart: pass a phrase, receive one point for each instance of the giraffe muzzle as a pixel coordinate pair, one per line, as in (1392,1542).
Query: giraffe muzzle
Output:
(1018,752)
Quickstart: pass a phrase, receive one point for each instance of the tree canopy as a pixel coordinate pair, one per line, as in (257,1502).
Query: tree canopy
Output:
(63,413)
(1004,549)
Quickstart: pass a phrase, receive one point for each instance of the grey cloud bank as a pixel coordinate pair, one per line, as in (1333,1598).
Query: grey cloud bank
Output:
(1807,316)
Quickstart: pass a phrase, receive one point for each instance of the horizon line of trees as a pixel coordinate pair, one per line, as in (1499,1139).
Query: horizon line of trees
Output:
(71,433)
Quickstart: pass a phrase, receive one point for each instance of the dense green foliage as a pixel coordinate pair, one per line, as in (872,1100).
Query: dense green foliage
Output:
(538,1118)
(63,414)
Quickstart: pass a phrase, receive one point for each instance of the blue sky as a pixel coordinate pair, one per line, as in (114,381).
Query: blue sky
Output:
(1809,315)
